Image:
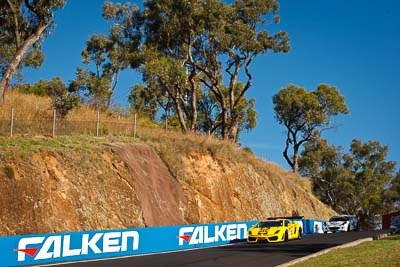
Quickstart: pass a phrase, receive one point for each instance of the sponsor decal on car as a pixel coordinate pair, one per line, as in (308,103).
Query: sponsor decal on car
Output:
(194,235)
(59,246)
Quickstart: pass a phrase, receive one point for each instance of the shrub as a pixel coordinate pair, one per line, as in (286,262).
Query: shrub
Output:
(64,103)
(248,150)
(10,171)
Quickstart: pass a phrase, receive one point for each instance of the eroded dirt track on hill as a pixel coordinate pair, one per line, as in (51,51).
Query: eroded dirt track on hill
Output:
(161,196)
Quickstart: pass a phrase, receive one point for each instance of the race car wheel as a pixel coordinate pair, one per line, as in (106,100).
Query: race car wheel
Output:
(286,237)
(300,233)
(348,228)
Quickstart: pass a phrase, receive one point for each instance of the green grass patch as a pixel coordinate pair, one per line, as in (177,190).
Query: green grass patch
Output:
(384,252)
(24,147)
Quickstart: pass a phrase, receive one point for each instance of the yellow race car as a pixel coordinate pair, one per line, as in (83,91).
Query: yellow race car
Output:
(274,230)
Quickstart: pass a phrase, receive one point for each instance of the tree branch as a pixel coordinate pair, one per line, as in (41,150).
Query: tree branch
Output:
(248,83)
(33,10)
(11,68)
(285,152)
(16,23)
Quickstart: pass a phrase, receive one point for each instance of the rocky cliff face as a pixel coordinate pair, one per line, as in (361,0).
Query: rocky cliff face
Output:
(121,185)
(225,191)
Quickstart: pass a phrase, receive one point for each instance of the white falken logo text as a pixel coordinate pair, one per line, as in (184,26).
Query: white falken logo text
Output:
(58,246)
(194,235)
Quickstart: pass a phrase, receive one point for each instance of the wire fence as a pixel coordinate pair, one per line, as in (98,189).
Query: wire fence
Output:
(11,124)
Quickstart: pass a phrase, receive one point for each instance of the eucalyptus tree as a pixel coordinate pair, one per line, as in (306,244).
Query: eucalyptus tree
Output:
(23,24)
(98,85)
(392,194)
(144,103)
(63,100)
(331,181)
(371,175)
(109,54)
(305,115)
(172,30)
(210,115)
(360,181)
(234,36)
(194,51)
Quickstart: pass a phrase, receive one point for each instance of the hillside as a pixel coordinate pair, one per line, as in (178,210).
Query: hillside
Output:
(74,183)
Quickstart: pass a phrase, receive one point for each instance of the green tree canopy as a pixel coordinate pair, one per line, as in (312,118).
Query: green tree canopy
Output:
(331,180)
(359,181)
(305,115)
(143,102)
(110,54)
(23,23)
(108,60)
(63,100)
(371,174)
(197,51)
(392,194)
(53,87)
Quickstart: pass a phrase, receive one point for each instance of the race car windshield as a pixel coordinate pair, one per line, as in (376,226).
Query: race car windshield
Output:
(338,219)
(269,224)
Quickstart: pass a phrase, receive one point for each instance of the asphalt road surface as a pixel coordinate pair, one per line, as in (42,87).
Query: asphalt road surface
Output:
(239,254)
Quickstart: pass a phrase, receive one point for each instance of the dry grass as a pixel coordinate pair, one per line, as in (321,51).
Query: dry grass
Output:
(28,107)
(34,117)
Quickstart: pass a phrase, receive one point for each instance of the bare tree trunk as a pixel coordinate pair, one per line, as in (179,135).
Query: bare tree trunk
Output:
(193,126)
(287,158)
(295,167)
(19,55)
(113,86)
(295,163)
(232,85)
(286,151)
(224,131)
(180,114)
(194,87)
(234,131)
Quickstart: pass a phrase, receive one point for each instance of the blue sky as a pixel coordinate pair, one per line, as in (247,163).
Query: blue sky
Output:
(351,44)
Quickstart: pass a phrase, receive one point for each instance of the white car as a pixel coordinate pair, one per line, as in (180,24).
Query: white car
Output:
(341,223)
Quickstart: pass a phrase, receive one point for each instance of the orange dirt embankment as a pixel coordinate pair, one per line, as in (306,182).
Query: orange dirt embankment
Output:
(228,191)
(125,185)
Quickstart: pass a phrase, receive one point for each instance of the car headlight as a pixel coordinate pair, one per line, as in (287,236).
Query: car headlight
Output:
(277,231)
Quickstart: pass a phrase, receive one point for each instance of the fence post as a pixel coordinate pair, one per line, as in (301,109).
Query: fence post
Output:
(12,122)
(134,127)
(97,124)
(54,123)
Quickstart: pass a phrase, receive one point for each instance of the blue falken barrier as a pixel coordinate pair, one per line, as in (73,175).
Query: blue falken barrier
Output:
(78,246)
